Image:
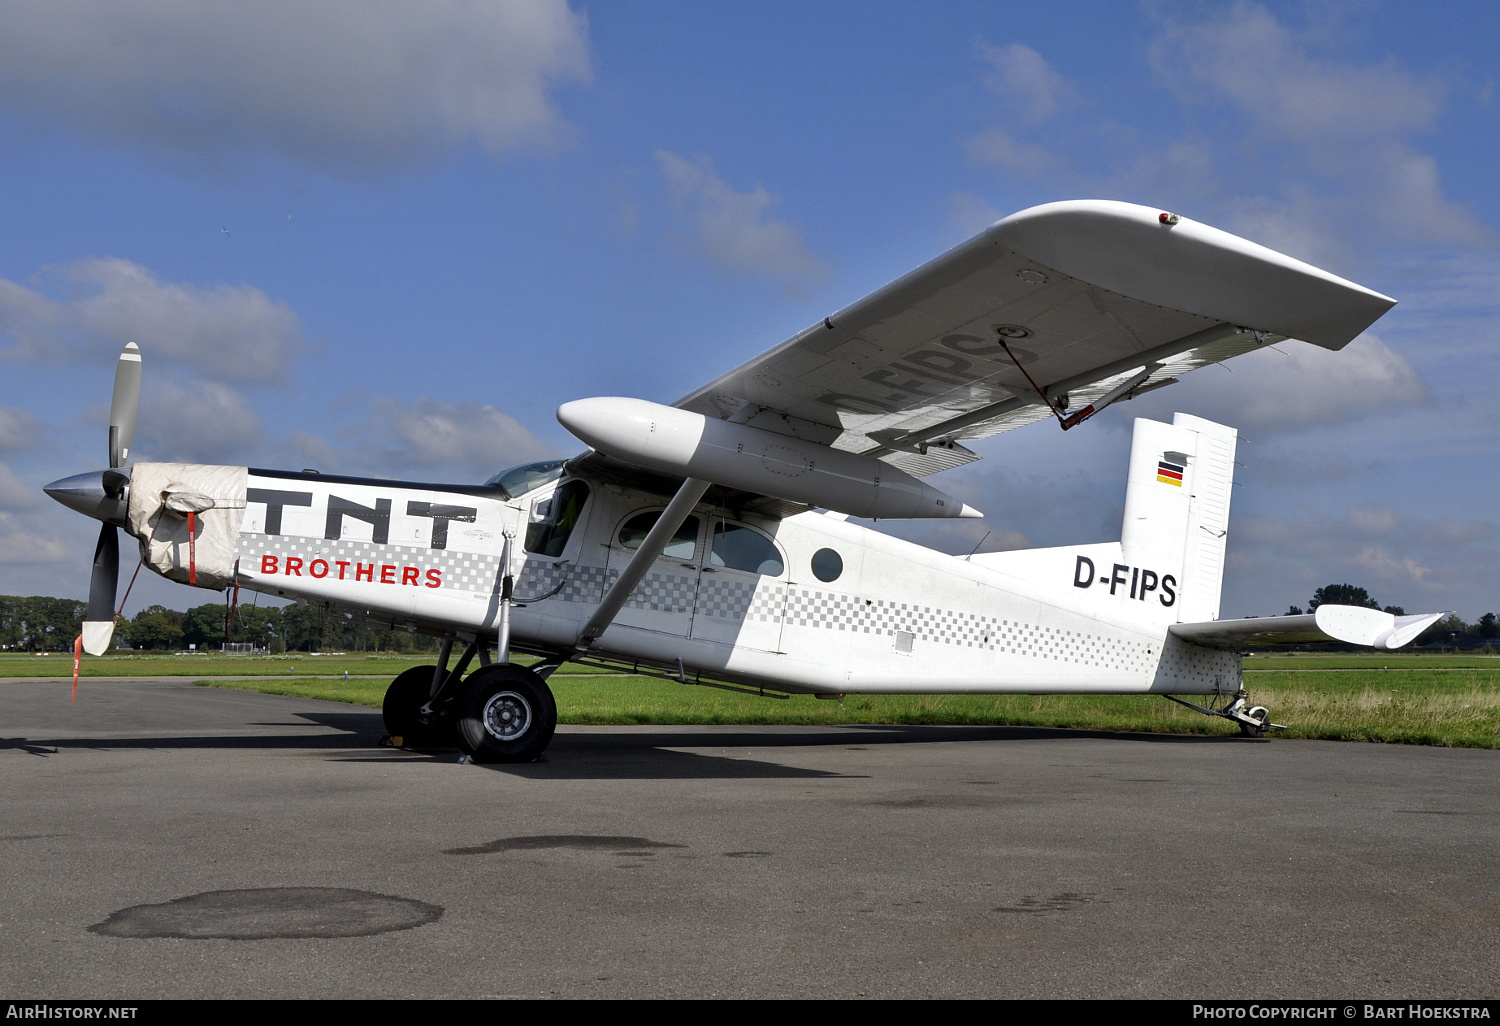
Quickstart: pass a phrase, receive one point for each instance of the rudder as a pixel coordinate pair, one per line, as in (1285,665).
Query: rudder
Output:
(1177,507)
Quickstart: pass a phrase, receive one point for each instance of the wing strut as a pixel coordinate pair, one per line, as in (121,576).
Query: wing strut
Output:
(655,543)
(1035,386)
(1118,392)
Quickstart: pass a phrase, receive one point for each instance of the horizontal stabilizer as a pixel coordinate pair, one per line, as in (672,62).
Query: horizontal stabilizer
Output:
(1353,624)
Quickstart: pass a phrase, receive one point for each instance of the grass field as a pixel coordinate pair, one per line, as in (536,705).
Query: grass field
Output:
(147,664)
(1450,706)
(1406,698)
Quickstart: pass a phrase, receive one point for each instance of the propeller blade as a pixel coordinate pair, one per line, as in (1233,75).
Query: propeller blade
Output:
(106,577)
(124,405)
(100,625)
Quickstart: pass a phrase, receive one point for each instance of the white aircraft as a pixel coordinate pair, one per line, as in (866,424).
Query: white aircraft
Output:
(708,541)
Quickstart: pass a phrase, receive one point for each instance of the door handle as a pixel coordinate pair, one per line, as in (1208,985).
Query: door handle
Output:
(687,566)
(710,570)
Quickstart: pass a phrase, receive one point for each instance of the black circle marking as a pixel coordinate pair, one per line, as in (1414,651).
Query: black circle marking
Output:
(265,913)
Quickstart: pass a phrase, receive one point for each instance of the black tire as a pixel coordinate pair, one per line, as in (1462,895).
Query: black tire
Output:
(506,714)
(1259,730)
(403,701)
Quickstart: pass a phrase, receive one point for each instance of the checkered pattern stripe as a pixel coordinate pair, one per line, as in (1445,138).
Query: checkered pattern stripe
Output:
(738,601)
(461,571)
(830,610)
(579,583)
(663,593)
(658,591)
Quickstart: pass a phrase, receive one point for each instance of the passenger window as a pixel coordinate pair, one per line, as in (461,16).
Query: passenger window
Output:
(682,546)
(550,536)
(827,565)
(737,547)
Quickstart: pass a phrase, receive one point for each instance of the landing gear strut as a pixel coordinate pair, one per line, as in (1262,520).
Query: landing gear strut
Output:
(1253,720)
(499,713)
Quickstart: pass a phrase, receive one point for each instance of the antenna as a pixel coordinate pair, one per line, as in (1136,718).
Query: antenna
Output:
(976,548)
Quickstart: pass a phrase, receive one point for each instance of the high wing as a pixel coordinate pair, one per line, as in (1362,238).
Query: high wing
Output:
(1095,300)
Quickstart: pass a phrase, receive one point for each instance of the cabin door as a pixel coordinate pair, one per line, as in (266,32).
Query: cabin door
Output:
(664,599)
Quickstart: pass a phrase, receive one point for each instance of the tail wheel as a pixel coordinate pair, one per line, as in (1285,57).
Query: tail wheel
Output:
(403,703)
(506,714)
(1262,716)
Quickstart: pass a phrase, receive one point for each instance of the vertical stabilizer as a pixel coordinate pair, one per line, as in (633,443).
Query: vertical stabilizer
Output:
(1177,507)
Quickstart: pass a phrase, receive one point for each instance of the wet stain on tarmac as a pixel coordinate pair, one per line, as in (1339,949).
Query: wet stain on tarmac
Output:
(747,854)
(577,842)
(271,912)
(944,801)
(1067,901)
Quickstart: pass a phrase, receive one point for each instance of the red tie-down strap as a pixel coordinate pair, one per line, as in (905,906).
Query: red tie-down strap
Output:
(192,547)
(77,657)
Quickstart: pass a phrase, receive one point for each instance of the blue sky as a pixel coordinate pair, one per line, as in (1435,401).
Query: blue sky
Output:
(392,238)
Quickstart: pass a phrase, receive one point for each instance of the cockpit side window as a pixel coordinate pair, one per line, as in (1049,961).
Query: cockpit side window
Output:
(549,536)
(528,477)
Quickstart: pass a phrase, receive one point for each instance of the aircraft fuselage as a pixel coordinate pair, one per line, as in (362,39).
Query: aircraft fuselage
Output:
(805,603)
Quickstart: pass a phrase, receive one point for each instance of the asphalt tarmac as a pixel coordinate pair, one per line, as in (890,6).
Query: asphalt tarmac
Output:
(166,840)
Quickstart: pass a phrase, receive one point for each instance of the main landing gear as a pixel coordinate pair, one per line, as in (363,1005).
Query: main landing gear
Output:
(498,713)
(505,714)
(1253,720)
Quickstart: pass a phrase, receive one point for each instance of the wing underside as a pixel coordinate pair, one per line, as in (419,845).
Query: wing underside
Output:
(1044,313)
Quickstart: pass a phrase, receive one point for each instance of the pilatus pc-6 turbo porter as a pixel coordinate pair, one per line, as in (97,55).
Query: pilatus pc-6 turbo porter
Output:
(708,541)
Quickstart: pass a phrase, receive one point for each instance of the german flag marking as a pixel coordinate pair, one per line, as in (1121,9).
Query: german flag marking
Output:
(1169,473)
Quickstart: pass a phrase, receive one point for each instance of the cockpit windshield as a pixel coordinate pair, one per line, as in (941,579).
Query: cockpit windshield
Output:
(528,477)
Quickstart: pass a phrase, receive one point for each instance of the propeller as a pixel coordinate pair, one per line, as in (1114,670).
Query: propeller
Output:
(99,628)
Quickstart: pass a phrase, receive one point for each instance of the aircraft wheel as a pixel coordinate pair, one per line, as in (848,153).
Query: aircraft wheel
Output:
(403,701)
(506,714)
(1262,715)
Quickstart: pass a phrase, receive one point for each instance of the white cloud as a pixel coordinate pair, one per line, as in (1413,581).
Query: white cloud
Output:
(1292,386)
(194,421)
(1025,79)
(478,439)
(1421,564)
(971,213)
(1344,123)
(14,494)
(21,543)
(1246,55)
(997,146)
(18,429)
(224,332)
(338,83)
(1033,92)
(425,440)
(733,228)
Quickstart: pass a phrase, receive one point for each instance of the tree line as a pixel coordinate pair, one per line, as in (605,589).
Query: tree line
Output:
(36,623)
